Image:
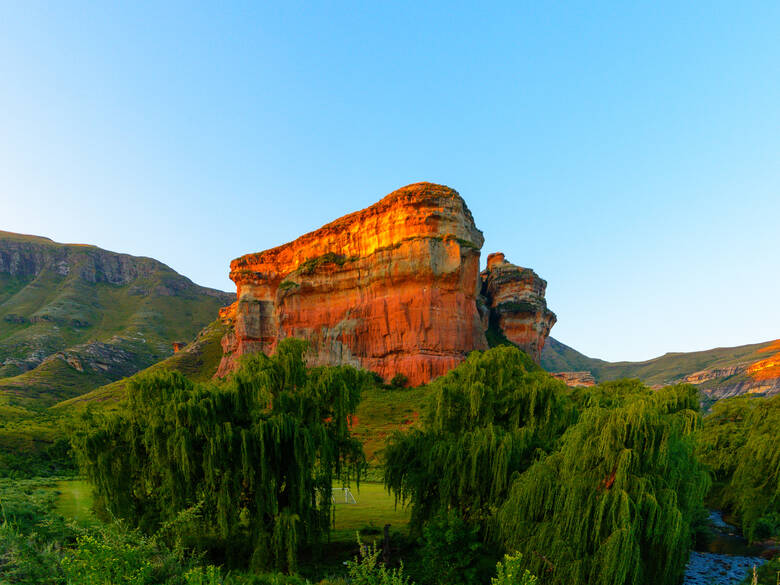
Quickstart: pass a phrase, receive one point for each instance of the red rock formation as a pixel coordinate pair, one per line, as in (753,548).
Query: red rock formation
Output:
(575,379)
(392,288)
(515,297)
(769,368)
(713,374)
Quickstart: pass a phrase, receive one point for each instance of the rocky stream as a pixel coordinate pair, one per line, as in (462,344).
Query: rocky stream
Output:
(725,558)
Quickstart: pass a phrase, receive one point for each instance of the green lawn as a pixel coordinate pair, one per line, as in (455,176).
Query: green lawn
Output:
(74,500)
(374,508)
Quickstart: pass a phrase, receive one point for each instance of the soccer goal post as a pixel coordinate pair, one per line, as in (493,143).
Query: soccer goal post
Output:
(342,495)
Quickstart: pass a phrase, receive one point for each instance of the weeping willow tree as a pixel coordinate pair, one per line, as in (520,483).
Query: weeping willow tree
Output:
(250,462)
(740,442)
(488,420)
(615,504)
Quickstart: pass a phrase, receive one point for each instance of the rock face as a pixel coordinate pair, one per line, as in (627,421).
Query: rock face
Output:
(515,297)
(394,288)
(576,379)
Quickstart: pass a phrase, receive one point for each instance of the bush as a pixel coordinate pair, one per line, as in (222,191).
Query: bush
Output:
(99,561)
(399,381)
(766,527)
(511,572)
(451,550)
(112,554)
(31,537)
(26,558)
(366,569)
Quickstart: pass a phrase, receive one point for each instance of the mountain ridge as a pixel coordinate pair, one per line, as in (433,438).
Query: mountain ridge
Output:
(75,316)
(719,372)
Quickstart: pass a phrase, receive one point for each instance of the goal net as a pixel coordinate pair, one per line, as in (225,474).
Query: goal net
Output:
(342,495)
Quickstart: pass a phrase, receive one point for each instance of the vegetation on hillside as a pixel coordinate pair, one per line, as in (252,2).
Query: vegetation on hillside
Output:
(198,361)
(35,442)
(666,369)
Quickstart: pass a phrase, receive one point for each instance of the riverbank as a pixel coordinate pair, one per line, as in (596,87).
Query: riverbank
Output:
(726,557)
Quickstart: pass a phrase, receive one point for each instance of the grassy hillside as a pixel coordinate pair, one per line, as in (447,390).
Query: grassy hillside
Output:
(75,317)
(666,369)
(26,433)
(198,361)
(381,412)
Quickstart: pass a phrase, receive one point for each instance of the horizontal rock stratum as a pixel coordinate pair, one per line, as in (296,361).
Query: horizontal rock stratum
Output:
(394,288)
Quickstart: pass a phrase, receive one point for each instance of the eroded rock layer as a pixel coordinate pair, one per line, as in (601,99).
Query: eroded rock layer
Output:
(393,288)
(515,298)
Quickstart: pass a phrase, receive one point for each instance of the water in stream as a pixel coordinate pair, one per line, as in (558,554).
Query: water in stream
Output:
(726,559)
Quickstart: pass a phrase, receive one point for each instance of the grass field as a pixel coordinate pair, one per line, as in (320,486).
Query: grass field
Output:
(374,508)
(74,500)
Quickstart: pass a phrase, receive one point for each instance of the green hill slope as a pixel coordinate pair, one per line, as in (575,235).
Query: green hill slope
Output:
(719,372)
(381,412)
(76,317)
(198,361)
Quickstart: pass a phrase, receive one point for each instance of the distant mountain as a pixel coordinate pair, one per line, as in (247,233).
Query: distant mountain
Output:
(719,373)
(74,317)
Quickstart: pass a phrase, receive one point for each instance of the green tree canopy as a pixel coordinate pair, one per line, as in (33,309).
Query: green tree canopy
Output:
(598,485)
(488,419)
(615,504)
(740,443)
(252,459)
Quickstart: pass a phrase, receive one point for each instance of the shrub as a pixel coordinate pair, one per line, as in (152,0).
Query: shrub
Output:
(511,572)
(26,558)
(451,550)
(100,561)
(366,569)
(399,381)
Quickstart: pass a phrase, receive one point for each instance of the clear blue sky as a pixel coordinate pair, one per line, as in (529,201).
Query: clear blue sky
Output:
(630,155)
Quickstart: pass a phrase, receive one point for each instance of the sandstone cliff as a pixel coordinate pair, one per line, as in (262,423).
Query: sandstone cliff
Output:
(515,297)
(394,288)
(575,379)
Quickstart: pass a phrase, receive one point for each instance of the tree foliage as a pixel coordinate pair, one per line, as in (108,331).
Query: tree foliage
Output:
(615,504)
(451,551)
(597,485)
(488,419)
(740,443)
(248,464)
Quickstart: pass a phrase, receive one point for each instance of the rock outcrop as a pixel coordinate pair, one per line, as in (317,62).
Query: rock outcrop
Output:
(767,369)
(394,288)
(515,297)
(576,379)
